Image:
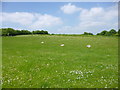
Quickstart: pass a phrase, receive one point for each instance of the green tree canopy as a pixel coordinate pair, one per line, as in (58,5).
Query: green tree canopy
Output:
(12,32)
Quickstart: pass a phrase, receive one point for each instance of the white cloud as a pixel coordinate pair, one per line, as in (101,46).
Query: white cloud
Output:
(31,20)
(94,20)
(99,17)
(69,8)
(92,14)
(46,21)
(98,14)
(18,17)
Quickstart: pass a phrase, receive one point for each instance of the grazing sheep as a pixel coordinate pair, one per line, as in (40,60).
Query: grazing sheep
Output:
(62,45)
(88,46)
(42,42)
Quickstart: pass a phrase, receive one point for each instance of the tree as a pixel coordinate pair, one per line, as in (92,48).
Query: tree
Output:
(112,32)
(98,34)
(25,32)
(36,32)
(108,34)
(90,33)
(18,32)
(40,32)
(86,33)
(0,32)
(103,32)
(4,32)
(119,32)
(8,32)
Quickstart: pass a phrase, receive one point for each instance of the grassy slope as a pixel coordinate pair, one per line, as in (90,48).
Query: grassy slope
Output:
(28,63)
(0,62)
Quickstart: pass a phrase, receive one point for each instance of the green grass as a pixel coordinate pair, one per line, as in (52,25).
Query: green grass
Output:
(29,64)
(0,62)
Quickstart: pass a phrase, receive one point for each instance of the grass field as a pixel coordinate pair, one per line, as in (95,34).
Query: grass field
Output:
(28,63)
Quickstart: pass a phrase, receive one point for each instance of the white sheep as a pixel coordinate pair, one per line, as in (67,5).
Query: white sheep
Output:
(88,46)
(42,42)
(62,45)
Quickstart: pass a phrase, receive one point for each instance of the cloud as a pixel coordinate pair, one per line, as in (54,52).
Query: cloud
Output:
(98,14)
(92,14)
(31,20)
(99,17)
(18,17)
(70,9)
(94,20)
(46,21)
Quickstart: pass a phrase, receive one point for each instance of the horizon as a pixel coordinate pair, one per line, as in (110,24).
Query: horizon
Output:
(61,33)
(60,17)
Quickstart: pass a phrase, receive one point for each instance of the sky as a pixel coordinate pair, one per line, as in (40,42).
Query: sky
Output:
(60,17)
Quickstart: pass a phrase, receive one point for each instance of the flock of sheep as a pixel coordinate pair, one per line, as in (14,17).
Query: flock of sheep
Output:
(88,46)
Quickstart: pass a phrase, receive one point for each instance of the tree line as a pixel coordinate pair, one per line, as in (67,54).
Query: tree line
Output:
(13,32)
(112,32)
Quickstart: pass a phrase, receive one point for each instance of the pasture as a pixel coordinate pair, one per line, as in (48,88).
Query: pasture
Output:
(28,63)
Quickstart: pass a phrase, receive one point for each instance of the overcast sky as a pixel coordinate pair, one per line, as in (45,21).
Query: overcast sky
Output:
(61,17)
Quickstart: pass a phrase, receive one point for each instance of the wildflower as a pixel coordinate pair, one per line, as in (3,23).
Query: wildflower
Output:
(68,80)
(102,77)
(8,81)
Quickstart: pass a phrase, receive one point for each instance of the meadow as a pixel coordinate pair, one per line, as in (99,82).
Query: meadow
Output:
(28,63)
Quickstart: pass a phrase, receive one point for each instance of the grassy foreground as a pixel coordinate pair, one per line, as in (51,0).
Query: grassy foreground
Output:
(28,63)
